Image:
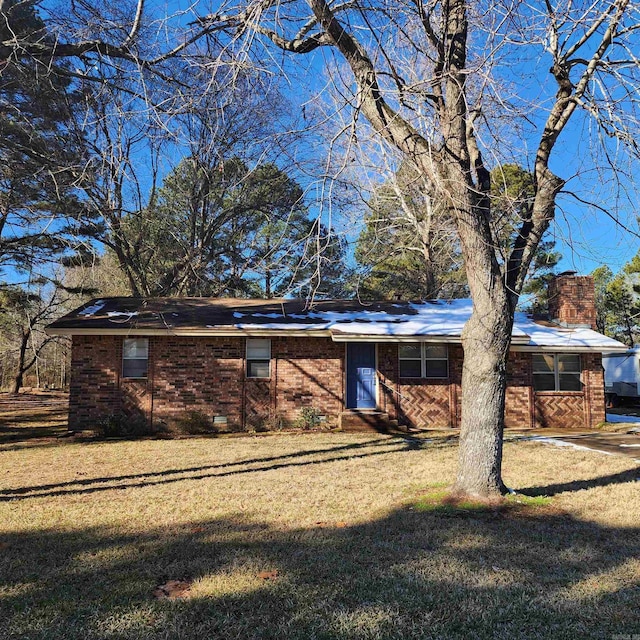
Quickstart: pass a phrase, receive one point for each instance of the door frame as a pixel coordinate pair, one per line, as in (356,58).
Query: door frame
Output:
(346,376)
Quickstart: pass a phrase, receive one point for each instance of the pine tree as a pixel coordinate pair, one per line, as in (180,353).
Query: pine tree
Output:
(40,155)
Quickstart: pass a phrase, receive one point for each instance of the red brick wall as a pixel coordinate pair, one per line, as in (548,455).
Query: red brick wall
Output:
(309,373)
(593,379)
(456,359)
(197,374)
(559,410)
(418,403)
(577,410)
(208,375)
(519,395)
(437,403)
(258,405)
(95,375)
(572,300)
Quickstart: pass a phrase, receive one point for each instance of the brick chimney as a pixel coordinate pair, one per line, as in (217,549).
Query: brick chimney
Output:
(572,300)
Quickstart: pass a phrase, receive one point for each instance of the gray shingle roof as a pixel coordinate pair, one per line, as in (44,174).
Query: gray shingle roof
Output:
(435,320)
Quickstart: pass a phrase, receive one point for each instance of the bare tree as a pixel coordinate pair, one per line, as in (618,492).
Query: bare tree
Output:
(23,315)
(443,83)
(439,62)
(408,247)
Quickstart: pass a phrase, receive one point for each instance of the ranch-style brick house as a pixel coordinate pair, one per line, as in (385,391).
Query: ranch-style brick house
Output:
(359,364)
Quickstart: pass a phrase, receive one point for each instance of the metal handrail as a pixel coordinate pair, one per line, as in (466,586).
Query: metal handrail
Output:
(384,384)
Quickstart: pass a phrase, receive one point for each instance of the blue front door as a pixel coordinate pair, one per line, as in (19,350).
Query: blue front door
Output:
(361,375)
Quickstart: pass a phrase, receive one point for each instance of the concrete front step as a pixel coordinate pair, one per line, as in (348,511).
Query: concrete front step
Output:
(353,420)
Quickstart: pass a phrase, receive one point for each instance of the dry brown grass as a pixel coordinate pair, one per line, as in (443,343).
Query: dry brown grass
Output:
(312,536)
(32,417)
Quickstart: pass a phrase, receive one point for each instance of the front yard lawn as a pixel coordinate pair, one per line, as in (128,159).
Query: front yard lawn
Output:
(332,536)
(32,417)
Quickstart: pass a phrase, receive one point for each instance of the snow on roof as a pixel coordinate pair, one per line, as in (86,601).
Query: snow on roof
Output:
(434,318)
(343,320)
(563,337)
(92,309)
(431,318)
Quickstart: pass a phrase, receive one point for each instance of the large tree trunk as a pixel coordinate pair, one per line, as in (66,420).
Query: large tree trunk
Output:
(465,183)
(486,339)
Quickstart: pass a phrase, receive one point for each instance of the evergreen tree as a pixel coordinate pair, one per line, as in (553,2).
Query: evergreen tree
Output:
(40,156)
(618,301)
(623,311)
(408,248)
(602,277)
(225,230)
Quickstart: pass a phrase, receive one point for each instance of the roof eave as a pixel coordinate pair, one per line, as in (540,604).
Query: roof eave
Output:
(582,348)
(362,337)
(518,343)
(194,333)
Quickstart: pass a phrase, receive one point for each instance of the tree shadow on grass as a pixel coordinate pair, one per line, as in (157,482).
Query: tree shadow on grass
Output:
(473,573)
(377,446)
(41,434)
(309,457)
(23,428)
(27,418)
(630,475)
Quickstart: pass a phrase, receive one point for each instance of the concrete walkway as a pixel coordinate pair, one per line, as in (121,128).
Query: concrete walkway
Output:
(623,444)
(616,443)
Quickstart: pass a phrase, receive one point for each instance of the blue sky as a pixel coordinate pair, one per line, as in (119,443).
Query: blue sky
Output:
(589,236)
(586,236)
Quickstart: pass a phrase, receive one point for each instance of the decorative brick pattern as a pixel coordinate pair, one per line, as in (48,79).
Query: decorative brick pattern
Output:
(416,403)
(208,375)
(572,300)
(559,410)
(257,398)
(425,404)
(136,399)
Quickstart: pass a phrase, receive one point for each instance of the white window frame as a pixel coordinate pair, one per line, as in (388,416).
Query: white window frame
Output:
(252,342)
(125,359)
(424,359)
(557,374)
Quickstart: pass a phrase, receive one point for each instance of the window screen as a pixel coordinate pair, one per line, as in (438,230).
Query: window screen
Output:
(556,372)
(421,360)
(258,358)
(135,357)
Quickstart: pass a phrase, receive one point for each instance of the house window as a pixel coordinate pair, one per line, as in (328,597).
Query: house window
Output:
(422,360)
(258,358)
(556,372)
(135,357)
